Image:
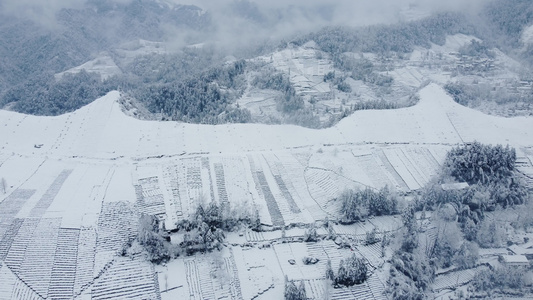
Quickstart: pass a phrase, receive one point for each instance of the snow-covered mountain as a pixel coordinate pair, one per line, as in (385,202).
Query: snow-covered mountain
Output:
(154,150)
(80,173)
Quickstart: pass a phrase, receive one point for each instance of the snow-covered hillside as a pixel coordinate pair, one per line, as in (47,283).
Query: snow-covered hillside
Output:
(76,183)
(103,66)
(101,131)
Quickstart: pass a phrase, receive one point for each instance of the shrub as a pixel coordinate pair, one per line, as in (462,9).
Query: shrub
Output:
(357,205)
(311,235)
(475,48)
(491,234)
(352,271)
(467,256)
(294,293)
(500,278)
(344,87)
(157,248)
(480,164)
(493,182)
(416,267)
(329,271)
(310,260)
(447,242)
(329,76)
(371,237)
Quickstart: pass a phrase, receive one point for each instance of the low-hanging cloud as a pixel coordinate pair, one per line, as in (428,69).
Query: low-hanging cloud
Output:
(281,18)
(41,12)
(238,22)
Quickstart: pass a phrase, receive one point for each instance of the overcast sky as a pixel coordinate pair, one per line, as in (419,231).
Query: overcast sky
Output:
(344,11)
(284,17)
(307,15)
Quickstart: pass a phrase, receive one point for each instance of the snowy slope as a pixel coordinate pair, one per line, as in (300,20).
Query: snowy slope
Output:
(101,130)
(102,65)
(76,184)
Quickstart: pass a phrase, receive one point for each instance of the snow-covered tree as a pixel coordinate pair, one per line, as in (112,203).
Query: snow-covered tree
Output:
(329,271)
(291,291)
(352,271)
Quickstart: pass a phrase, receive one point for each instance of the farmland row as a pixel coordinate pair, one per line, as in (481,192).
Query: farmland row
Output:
(278,171)
(205,269)
(282,199)
(150,200)
(85,259)
(325,250)
(9,237)
(12,287)
(36,269)
(17,251)
(172,180)
(127,278)
(377,287)
(361,291)
(236,182)
(221,187)
(10,207)
(372,253)
(44,202)
(272,205)
(193,280)
(179,189)
(373,170)
(235,284)
(402,165)
(117,224)
(64,267)
(454,279)
(400,183)
(317,289)
(205,170)
(193,168)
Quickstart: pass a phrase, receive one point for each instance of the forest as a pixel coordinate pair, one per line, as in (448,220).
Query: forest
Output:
(462,227)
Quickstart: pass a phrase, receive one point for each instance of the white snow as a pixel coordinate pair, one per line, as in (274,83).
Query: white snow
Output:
(101,131)
(527,36)
(108,153)
(102,65)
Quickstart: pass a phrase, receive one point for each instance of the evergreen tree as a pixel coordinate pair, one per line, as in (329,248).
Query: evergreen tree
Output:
(342,274)
(329,271)
(310,234)
(291,291)
(302,295)
(352,271)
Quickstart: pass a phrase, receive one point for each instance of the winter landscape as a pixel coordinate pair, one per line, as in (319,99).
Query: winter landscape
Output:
(386,158)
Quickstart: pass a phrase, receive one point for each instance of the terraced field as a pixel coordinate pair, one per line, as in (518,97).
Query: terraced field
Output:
(71,206)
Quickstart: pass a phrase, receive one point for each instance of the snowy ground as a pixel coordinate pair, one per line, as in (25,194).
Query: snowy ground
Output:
(102,65)
(76,183)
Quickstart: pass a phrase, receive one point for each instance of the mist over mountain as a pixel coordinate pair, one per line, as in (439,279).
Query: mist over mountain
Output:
(266,149)
(150,46)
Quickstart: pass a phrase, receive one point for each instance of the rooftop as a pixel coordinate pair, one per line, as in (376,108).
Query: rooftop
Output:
(515,259)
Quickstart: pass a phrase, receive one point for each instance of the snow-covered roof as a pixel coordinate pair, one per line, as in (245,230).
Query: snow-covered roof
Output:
(454,186)
(515,259)
(522,249)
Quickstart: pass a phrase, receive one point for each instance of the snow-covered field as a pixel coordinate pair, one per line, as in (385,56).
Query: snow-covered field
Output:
(306,66)
(102,65)
(76,183)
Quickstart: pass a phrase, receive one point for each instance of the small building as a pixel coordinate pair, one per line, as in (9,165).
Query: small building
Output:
(514,260)
(456,186)
(524,249)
